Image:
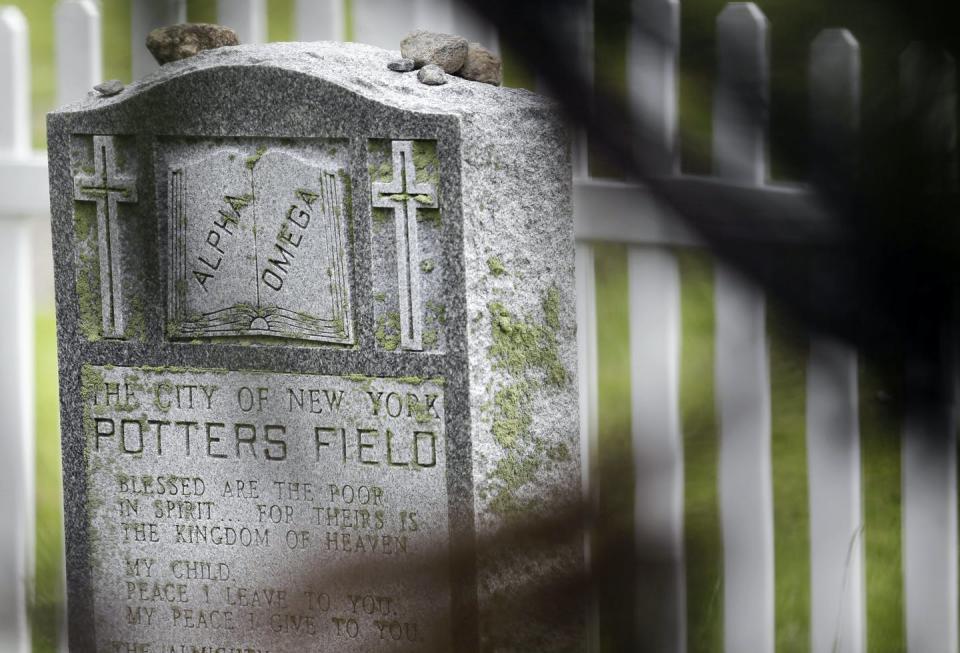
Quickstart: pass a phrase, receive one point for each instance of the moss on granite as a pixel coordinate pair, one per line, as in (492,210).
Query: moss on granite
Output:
(387,331)
(495,265)
(524,346)
(513,419)
(88,270)
(137,322)
(251,161)
(528,351)
(551,308)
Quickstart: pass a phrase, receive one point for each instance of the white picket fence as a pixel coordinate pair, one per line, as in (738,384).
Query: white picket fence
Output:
(604,211)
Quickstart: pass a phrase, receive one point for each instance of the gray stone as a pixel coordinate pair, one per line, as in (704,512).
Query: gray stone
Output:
(445,50)
(481,65)
(109,87)
(432,75)
(177,42)
(291,383)
(401,65)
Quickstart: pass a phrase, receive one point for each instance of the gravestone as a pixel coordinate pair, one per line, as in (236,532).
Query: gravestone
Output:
(316,338)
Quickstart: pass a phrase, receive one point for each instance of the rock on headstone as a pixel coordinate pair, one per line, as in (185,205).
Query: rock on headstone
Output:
(432,75)
(177,42)
(481,65)
(401,65)
(445,50)
(316,343)
(109,87)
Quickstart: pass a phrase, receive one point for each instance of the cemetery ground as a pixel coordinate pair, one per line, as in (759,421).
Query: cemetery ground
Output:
(880,452)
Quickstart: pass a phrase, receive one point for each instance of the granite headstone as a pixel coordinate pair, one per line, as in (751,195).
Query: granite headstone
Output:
(317,356)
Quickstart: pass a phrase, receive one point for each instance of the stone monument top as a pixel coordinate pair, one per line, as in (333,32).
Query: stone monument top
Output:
(355,67)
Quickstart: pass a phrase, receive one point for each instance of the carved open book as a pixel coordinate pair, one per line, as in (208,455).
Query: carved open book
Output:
(259,247)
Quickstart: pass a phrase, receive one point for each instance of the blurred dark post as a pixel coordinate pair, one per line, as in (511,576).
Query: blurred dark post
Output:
(652,51)
(574,27)
(660,622)
(832,412)
(929,105)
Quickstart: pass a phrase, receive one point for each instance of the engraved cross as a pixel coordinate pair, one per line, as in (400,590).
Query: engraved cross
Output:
(106,187)
(404,195)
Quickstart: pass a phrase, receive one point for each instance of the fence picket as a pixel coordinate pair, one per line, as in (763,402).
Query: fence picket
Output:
(836,521)
(652,53)
(79,65)
(14,82)
(16,351)
(928,80)
(654,296)
(930,530)
(247,17)
(741,102)
(834,75)
(145,16)
(383,22)
(742,364)
(321,20)
(586,290)
(746,499)
(832,413)
(16,435)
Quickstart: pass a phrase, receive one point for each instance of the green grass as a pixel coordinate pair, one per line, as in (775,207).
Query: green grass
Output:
(46,613)
(280,20)
(515,74)
(117,48)
(703,542)
(698,420)
(202,11)
(616,582)
(791,513)
(880,417)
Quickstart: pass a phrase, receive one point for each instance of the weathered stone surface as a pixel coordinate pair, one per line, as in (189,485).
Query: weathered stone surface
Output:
(333,311)
(303,500)
(109,87)
(432,75)
(177,42)
(481,65)
(445,50)
(401,65)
